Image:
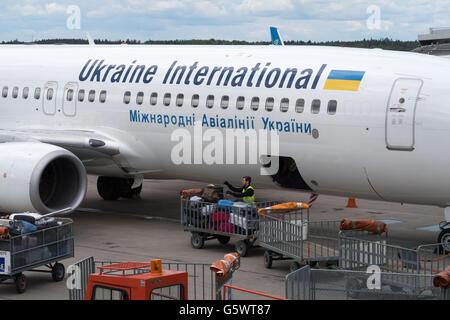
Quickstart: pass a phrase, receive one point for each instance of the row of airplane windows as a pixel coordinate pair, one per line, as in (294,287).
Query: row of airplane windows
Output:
(240,102)
(179,101)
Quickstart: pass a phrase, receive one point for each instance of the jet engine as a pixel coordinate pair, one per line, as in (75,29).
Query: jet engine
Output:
(39,177)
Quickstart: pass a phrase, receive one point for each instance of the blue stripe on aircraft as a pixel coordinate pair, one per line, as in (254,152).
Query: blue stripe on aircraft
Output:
(346,75)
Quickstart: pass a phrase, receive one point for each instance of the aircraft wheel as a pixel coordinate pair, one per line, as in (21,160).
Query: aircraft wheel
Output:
(444,239)
(109,188)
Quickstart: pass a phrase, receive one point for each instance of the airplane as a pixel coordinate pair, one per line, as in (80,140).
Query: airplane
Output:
(359,123)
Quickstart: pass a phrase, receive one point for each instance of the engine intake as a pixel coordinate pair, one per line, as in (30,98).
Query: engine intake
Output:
(40,177)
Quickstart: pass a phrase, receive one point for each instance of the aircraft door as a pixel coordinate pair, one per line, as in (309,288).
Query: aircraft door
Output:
(49,101)
(401,111)
(69,99)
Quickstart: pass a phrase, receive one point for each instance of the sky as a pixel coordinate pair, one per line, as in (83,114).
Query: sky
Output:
(315,20)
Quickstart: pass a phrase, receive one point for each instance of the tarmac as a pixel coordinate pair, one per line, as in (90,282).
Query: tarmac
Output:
(141,230)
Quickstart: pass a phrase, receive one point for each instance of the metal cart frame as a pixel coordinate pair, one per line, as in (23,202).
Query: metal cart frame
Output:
(206,221)
(30,251)
(292,236)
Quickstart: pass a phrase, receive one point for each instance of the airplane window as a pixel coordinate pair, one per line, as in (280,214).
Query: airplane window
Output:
(127,97)
(15,92)
(103,96)
(167,98)
(69,96)
(195,101)
(270,102)
(81,94)
(315,107)
(210,101)
(25,93)
(284,106)
(180,100)
(5,92)
(300,105)
(154,99)
(140,98)
(332,107)
(37,93)
(92,96)
(240,103)
(225,102)
(255,104)
(50,94)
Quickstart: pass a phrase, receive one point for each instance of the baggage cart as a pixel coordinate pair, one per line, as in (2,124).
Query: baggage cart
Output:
(358,254)
(292,236)
(27,252)
(208,221)
(319,284)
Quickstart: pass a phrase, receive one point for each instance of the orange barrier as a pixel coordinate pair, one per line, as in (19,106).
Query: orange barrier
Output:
(442,280)
(222,267)
(248,291)
(191,192)
(371,225)
(283,208)
(351,203)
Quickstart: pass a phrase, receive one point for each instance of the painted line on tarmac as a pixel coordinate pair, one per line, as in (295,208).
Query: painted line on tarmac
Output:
(145,217)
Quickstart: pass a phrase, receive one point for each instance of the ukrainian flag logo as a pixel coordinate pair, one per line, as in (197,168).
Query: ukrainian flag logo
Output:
(346,80)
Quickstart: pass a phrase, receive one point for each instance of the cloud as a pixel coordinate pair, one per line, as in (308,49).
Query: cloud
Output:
(227,19)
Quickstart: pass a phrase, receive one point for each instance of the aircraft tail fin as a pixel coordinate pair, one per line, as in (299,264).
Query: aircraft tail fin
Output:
(276,37)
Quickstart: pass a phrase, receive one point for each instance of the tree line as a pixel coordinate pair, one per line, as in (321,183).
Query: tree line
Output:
(387,44)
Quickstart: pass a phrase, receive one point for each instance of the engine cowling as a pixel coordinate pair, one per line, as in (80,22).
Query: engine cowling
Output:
(40,177)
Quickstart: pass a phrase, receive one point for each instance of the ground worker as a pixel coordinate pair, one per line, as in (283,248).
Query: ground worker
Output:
(246,192)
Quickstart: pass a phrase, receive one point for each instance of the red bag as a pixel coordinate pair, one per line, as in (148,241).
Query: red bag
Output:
(226,227)
(220,216)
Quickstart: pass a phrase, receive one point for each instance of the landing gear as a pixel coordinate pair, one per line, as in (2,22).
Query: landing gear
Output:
(444,238)
(111,189)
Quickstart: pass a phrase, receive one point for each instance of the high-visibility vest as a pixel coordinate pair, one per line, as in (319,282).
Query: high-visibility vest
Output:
(249,200)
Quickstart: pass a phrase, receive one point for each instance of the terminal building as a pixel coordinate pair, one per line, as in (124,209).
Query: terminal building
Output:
(437,42)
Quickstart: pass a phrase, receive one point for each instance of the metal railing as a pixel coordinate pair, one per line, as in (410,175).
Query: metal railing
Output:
(318,284)
(358,253)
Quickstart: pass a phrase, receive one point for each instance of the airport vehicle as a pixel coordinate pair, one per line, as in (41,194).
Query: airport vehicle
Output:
(137,281)
(208,221)
(28,252)
(363,123)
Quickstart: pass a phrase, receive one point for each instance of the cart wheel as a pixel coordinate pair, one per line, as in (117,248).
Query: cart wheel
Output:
(294,266)
(197,241)
(58,272)
(268,259)
(444,239)
(242,247)
(223,239)
(21,283)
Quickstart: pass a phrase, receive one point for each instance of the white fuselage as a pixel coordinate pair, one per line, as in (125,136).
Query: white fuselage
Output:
(373,147)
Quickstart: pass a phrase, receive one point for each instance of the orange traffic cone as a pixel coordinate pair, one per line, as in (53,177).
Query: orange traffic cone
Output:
(351,203)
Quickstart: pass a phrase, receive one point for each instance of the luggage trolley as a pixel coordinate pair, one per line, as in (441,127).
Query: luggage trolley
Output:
(290,235)
(396,262)
(208,221)
(27,252)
